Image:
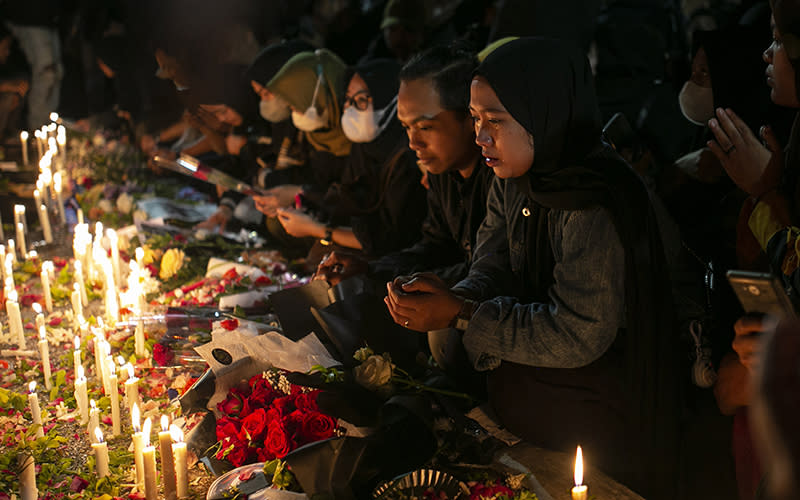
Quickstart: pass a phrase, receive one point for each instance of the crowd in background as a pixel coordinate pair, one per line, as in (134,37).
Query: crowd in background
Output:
(365,170)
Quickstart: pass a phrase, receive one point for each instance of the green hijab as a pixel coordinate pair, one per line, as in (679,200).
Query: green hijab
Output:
(296,81)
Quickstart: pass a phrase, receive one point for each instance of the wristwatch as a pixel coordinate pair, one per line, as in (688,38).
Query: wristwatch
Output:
(328,238)
(461,320)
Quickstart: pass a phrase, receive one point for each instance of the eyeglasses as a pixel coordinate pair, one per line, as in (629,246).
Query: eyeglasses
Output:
(360,100)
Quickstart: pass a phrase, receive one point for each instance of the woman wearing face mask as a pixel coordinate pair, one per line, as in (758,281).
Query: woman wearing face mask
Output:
(566,305)
(380,197)
(313,85)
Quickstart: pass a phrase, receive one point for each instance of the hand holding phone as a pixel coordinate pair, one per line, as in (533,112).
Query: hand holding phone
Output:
(761,293)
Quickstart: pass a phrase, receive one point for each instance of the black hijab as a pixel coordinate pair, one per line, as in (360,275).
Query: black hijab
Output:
(272,59)
(229,87)
(547,86)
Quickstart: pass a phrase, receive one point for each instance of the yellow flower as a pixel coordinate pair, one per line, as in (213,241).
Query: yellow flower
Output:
(149,256)
(171,263)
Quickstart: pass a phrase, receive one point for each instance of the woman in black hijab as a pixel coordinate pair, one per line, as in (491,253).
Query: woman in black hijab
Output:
(380,197)
(566,304)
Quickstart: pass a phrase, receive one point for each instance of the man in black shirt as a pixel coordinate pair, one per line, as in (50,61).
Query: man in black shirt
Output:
(432,107)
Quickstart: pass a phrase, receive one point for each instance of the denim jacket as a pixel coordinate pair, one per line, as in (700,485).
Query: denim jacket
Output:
(585,306)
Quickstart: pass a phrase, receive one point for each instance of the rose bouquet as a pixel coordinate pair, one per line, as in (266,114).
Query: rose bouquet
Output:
(268,419)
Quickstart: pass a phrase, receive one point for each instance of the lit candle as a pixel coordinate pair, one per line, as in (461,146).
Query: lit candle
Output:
(98,353)
(167,461)
(113,242)
(131,388)
(37,193)
(114,386)
(80,216)
(23,137)
(44,350)
(54,117)
(39,316)
(79,281)
(2,252)
(105,349)
(44,220)
(81,395)
(76,355)
(139,252)
(77,305)
(138,441)
(19,216)
(149,461)
(15,319)
(27,478)
(94,419)
(22,246)
(580,491)
(12,252)
(45,276)
(100,453)
(38,135)
(59,197)
(36,412)
(181,461)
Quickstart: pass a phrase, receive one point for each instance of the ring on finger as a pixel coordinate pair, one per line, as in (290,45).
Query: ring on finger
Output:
(729,150)
(405,323)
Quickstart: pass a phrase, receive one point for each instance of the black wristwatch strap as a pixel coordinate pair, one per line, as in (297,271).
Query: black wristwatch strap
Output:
(328,238)
(461,320)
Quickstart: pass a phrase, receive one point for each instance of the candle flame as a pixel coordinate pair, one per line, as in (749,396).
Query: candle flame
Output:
(42,333)
(112,368)
(33,253)
(99,434)
(12,295)
(80,373)
(579,467)
(19,209)
(32,387)
(76,287)
(23,135)
(146,429)
(164,423)
(135,417)
(130,371)
(53,116)
(92,404)
(36,308)
(120,360)
(177,433)
(77,342)
(78,266)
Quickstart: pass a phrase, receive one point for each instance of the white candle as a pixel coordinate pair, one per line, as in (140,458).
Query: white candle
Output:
(580,491)
(113,242)
(80,216)
(167,460)
(2,252)
(181,462)
(44,220)
(100,453)
(98,354)
(39,316)
(37,193)
(94,419)
(59,197)
(22,246)
(105,348)
(45,276)
(149,460)
(19,216)
(39,147)
(76,355)
(79,281)
(131,388)
(138,337)
(77,304)
(36,412)
(114,386)
(44,350)
(138,444)
(27,478)
(15,319)
(82,396)
(12,252)
(23,138)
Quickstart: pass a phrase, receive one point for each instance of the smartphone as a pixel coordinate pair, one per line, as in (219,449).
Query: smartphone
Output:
(761,293)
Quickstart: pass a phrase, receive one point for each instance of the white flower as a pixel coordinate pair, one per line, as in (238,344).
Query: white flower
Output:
(375,372)
(105,206)
(125,203)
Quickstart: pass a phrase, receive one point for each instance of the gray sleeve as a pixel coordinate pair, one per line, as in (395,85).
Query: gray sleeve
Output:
(585,308)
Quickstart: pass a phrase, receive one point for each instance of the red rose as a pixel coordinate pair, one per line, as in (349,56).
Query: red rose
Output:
(263,281)
(277,441)
(293,423)
(238,455)
(254,426)
(227,427)
(307,401)
(162,354)
(285,405)
(264,455)
(233,404)
(230,324)
(29,298)
(55,321)
(317,426)
(262,394)
(230,274)
(274,414)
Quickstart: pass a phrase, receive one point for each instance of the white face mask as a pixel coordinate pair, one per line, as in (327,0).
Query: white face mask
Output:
(311,120)
(360,126)
(274,110)
(697,103)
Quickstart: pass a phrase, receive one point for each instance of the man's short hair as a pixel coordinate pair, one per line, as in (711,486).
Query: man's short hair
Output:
(450,69)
